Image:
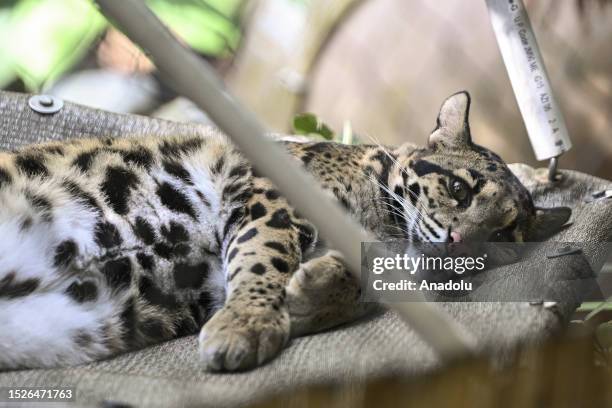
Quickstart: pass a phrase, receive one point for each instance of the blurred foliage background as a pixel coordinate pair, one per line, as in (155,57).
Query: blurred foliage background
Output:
(383,66)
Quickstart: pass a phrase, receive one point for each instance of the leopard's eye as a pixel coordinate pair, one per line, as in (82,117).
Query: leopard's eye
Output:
(460,191)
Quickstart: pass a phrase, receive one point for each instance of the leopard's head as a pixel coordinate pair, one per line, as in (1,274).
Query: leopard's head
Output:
(463,191)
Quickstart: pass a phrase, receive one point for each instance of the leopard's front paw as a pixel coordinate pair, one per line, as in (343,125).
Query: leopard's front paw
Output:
(239,340)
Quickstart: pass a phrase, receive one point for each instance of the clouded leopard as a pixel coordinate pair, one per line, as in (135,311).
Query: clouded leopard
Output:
(111,245)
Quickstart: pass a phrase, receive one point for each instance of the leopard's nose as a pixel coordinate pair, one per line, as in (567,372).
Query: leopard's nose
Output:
(454,236)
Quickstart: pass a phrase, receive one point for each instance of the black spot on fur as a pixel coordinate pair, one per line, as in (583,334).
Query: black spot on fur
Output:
(152,294)
(486,152)
(277,246)
(218,239)
(230,190)
(232,254)
(257,211)
(118,273)
(82,339)
(190,276)
(205,301)
(164,250)
(280,219)
(430,229)
(218,166)
(176,233)
(280,264)
(239,171)
(235,216)
(5,178)
(144,230)
(435,221)
(31,164)
(11,289)
(190,324)
(153,329)
(492,167)
(175,169)
(107,235)
(247,235)
(147,262)
(174,149)
(128,319)
(345,203)
(272,194)
(381,157)
(203,198)
(404,176)
(258,269)
(175,200)
(116,187)
(423,167)
(320,147)
(139,156)
(26,223)
(107,141)
(414,192)
(82,292)
(307,158)
(243,196)
(181,249)
(306,236)
(480,180)
(79,194)
(476,175)
(84,160)
(42,205)
(65,253)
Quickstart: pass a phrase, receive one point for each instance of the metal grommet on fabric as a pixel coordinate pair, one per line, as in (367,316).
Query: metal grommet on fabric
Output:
(550,305)
(45,104)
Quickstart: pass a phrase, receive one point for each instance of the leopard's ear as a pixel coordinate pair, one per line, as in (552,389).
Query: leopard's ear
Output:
(452,130)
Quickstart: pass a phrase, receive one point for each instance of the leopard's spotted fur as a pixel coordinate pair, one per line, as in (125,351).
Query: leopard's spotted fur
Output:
(110,245)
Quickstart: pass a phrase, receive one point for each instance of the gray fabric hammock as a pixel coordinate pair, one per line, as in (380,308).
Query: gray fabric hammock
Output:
(169,374)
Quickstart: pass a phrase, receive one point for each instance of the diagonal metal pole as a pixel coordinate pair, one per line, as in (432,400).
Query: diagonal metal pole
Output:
(193,78)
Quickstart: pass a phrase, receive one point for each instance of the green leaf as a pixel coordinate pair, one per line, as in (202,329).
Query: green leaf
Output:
(604,335)
(309,124)
(47,37)
(594,308)
(211,27)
